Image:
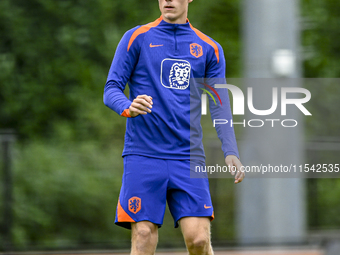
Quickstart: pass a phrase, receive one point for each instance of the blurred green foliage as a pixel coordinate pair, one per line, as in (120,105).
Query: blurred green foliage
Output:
(321,38)
(65,194)
(321,55)
(54,58)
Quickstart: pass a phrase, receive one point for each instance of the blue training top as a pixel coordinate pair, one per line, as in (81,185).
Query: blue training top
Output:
(159,59)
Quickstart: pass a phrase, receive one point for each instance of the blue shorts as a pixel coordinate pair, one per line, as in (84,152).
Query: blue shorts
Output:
(149,182)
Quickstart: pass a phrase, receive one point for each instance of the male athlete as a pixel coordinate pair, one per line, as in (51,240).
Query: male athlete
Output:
(163,134)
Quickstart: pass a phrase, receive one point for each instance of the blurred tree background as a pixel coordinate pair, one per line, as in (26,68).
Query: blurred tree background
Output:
(54,59)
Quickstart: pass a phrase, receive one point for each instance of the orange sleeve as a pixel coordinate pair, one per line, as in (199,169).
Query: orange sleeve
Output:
(143,29)
(208,41)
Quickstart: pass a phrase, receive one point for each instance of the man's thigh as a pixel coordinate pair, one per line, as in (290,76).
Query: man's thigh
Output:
(192,227)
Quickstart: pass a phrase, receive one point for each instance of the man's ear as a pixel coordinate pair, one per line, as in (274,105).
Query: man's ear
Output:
(189,1)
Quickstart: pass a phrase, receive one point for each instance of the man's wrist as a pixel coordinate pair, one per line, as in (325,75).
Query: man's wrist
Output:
(126,113)
(231,154)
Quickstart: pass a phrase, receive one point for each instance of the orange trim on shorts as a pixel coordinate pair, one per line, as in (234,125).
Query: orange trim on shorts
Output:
(208,41)
(126,113)
(143,29)
(212,216)
(122,215)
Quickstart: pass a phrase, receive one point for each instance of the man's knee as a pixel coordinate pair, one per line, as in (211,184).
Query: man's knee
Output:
(197,242)
(196,232)
(144,237)
(144,230)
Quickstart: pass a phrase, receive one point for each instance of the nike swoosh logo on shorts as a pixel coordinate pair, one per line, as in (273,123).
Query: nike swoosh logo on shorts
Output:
(207,207)
(153,46)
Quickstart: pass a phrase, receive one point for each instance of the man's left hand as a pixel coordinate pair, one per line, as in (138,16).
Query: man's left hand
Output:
(235,166)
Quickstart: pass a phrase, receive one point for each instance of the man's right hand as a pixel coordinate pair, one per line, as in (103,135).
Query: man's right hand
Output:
(142,104)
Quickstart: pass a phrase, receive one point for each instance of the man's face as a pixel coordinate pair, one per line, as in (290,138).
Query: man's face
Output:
(174,11)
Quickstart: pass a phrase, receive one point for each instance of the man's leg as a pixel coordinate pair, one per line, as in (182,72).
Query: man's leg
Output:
(144,238)
(196,233)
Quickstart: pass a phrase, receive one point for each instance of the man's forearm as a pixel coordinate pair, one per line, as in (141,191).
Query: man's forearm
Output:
(114,98)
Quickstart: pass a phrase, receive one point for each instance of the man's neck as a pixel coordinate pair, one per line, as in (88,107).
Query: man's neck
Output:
(181,20)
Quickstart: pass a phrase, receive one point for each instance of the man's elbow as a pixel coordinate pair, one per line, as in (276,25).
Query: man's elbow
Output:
(106,101)
(106,97)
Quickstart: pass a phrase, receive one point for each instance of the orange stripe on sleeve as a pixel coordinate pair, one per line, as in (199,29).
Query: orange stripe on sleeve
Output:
(122,215)
(143,29)
(126,113)
(208,41)
(212,217)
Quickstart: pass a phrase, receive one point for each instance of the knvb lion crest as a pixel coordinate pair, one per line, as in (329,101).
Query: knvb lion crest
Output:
(179,75)
(196,50)
(135,204)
